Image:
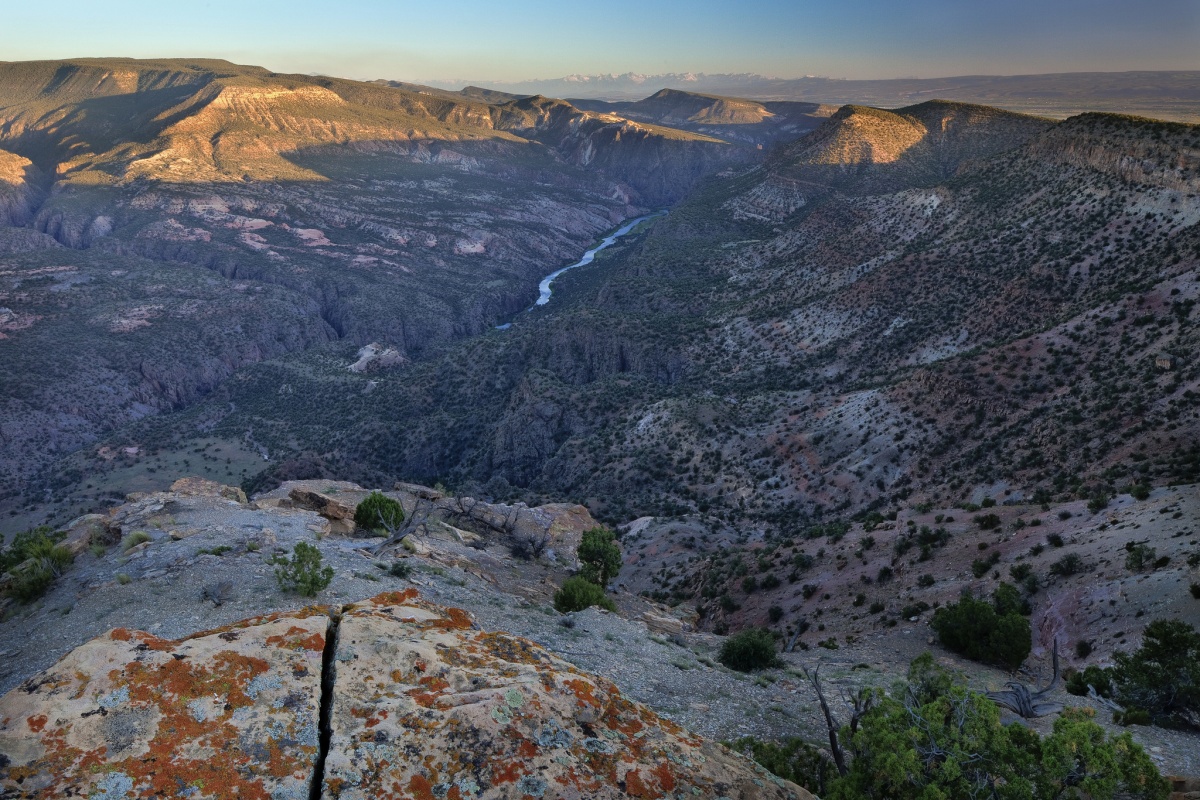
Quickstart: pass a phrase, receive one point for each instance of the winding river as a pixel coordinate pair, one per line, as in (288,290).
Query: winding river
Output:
(544,290)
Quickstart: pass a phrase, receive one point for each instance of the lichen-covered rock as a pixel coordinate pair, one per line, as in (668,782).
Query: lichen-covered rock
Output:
(426,706)
(418,704)
(228,713)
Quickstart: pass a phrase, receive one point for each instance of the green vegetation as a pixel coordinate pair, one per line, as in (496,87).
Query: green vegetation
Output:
(934,738)
(793,759)
(992,633)
(34,559)
(599,555)
(749,650)
(1162,677)
(578,593)
(302,573)
(379,513)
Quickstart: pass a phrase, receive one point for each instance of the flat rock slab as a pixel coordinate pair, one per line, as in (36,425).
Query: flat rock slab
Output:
(426,706)
(226,713)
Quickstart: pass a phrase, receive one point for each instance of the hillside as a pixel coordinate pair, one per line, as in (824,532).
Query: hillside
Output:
(212,215)
(792,360)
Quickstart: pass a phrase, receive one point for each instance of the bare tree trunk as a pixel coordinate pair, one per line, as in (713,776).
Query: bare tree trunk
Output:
(835,746)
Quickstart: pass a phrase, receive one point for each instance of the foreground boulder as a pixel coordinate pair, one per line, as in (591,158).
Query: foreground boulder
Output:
(408,700)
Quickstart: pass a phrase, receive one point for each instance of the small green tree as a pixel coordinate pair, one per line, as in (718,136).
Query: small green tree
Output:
(378,512)
(302,573)
(600,556)
(751,649)
(1162,677)
(578,593)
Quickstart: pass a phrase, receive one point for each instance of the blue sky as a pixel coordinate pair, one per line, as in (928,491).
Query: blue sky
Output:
(518,39)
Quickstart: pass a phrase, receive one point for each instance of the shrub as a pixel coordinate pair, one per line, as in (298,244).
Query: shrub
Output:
(35,559)
(1054,539)
(792,759)
(748,650)
(302,573)
(1139,491)
(1097,677)
(884,575)
(980,566)
(1195,590)
(1140,557)
(988,521)
(973,628)
(925,581)
(600,556)
(749,584)
(400,569)
(775,613)
(1008,600)
(1070,564)
(770,582)
(133,540)
(379,513)
(1083,648)
(578,593)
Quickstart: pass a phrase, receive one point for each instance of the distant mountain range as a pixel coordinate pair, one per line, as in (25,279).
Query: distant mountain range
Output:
(1164,95)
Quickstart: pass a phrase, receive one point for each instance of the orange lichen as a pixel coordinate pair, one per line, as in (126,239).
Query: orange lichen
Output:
(420,787)
(583,692)
(37,723)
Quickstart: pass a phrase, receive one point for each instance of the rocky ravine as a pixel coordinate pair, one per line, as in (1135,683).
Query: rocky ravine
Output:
(391,697)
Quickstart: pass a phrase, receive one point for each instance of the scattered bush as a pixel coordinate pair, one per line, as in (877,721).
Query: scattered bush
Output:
(1055,539)
(749,584)
(1083,648)
(302,573)
(578,593)
(379,513)
(600,556)
(748,650)
(400,568)
(774,614)
(1139,491)
(978,630)
(925,581)
(1195,590)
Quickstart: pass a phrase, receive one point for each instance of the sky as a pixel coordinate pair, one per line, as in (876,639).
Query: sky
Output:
(508,40)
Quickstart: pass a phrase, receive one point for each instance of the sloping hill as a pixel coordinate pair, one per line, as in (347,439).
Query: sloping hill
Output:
(863,150)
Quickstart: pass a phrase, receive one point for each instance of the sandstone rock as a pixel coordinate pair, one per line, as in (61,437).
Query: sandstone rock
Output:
(426,706)
(422,492)
(83,531)
(200,487)
(326,505)
(222,714)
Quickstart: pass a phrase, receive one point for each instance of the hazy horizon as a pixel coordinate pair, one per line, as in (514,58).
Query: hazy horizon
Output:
(536,40)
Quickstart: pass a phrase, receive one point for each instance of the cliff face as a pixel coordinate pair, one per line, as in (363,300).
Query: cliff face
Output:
(20,192)
(388,698)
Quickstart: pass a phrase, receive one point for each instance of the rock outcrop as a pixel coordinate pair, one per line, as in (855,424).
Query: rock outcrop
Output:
(391,697)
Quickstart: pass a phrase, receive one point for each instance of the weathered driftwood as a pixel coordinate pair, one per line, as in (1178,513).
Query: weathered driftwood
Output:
(1025,703)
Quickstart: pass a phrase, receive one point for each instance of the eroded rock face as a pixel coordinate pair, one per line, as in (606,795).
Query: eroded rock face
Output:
(223,714)
(493,715)
(419,704)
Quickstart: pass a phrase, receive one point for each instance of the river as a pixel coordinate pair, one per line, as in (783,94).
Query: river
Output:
(544,290)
